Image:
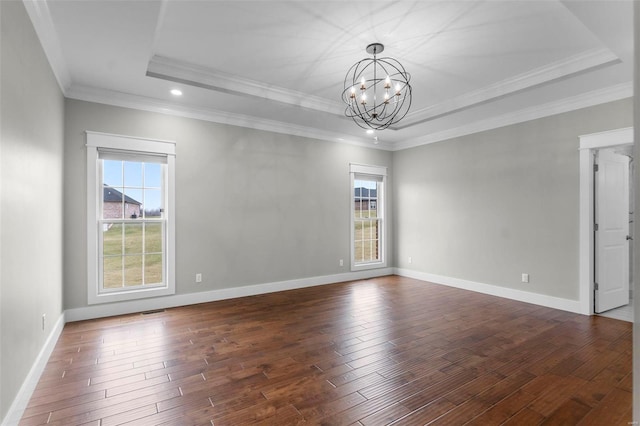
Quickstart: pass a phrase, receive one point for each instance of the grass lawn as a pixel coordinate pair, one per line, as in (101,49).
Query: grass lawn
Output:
(123,254)
(366,238)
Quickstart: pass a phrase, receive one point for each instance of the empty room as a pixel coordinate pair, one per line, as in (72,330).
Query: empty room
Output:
(318,212)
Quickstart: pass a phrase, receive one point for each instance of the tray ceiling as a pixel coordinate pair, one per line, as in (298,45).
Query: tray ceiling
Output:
(280,65)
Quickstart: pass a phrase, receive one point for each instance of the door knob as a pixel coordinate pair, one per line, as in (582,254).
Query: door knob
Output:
(629,237)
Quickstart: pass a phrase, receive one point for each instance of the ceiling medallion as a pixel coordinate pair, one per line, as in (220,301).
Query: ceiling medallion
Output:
(377,91)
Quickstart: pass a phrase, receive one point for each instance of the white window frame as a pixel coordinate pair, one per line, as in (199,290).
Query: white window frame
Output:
(127,145)
(378,173)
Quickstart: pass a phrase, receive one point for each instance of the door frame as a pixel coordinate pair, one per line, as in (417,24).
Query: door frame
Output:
(588,145)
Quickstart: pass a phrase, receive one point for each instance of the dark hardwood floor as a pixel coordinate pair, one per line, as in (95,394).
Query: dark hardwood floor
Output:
(388,350)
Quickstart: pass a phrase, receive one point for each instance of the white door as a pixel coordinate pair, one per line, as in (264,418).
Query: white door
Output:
(611,237)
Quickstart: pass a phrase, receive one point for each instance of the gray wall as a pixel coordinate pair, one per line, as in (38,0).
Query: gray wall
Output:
(636,279)
(490,206)
(252,207)
(31,159)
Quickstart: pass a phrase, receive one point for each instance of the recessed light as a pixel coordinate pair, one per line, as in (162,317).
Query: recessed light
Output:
(370,131)
(176,92)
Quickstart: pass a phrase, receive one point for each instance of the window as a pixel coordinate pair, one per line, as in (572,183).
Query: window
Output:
(367,216)
(130,224)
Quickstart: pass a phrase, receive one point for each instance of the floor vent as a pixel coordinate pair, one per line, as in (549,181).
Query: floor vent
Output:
(155,311)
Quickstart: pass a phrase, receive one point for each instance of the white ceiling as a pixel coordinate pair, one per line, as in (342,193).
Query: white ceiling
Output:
(280,65)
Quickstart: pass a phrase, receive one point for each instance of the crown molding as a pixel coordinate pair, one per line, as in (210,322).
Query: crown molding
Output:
(595,97)
(125,100)
(40,16)
(579,63)
(193,75)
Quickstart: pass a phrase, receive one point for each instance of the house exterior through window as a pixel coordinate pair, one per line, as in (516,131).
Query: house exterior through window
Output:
(114,201)
(130,230)
(368,233)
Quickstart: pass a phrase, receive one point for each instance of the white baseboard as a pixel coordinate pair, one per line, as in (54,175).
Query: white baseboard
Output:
(120,308)
(494,290)
(30,382)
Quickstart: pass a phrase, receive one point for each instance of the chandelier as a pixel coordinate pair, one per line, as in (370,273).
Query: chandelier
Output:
(377,91)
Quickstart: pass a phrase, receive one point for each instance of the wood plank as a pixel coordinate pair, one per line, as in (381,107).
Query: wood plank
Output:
(462,413)
(569,412)
(426,413)
(615,409)
(526,416)
(504,409)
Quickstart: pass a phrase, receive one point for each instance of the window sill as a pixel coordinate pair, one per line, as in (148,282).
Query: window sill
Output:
(366,266)
(122,296)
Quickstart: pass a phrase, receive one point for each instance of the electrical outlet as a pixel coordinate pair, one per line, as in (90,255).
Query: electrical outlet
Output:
(410,260)
(198,278)
(44,317)
(341,262)
(525,278)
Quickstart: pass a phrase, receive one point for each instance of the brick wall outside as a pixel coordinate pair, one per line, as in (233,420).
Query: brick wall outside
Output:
(113,210)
